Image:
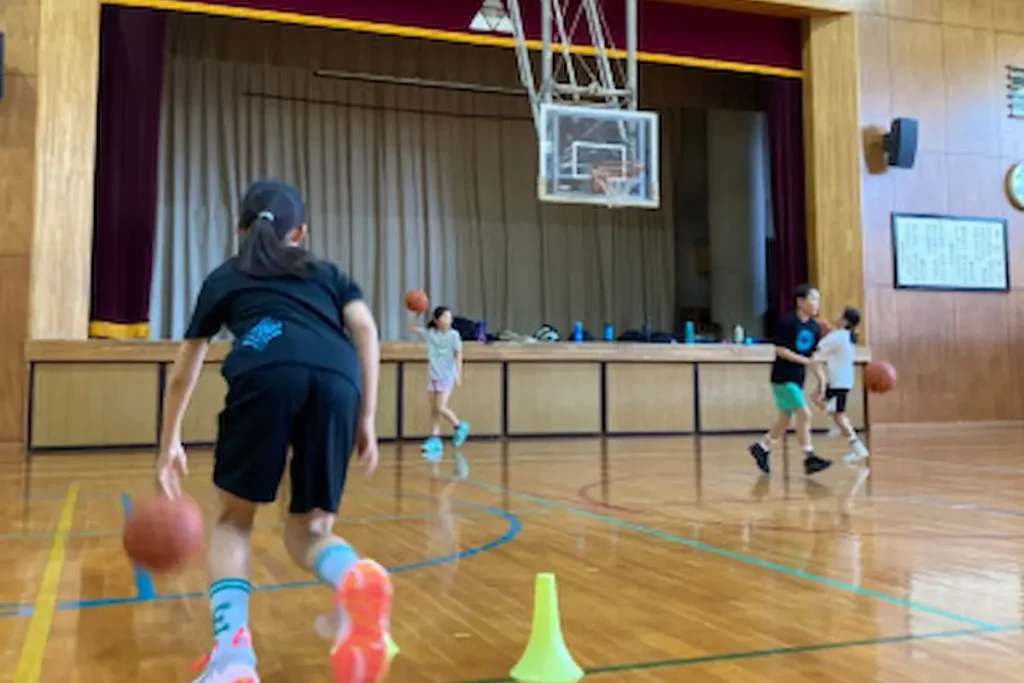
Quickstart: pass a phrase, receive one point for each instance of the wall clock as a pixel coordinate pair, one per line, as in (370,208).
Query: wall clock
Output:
(1015,185)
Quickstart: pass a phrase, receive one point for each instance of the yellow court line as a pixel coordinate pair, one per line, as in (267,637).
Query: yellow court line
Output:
(213,9)
(30,663)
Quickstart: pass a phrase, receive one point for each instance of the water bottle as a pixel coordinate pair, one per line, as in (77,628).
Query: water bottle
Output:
(737,334)
(481,331)
(691,336)
(609,332)
(577,331)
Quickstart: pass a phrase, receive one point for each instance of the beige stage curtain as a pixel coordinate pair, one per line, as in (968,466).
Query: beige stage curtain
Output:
(407,187)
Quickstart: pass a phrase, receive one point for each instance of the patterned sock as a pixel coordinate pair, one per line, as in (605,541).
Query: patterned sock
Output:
(333,561)
(229,607)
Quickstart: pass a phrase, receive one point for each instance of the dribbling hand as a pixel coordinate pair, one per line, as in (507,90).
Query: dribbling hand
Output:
(171,465)
(366,446)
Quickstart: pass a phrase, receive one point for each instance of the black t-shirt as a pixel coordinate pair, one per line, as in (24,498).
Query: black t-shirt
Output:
(799,336)
(279,320)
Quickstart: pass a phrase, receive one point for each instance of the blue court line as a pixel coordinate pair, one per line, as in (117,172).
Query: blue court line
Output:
(739,557)
(16,611)
(513,529)
(144,589)
(370,519)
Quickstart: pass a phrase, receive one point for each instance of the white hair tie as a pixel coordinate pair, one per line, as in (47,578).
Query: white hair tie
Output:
(266,215)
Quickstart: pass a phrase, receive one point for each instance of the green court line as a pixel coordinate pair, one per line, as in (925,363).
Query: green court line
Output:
(739,557)
(775,652)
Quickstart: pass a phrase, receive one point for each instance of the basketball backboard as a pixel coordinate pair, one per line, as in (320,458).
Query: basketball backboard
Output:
(595,147)
(596,155)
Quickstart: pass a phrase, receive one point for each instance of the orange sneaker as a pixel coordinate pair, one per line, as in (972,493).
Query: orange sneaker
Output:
(216,670)
(363,600)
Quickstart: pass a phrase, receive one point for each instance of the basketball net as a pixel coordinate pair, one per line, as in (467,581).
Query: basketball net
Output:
(616,180)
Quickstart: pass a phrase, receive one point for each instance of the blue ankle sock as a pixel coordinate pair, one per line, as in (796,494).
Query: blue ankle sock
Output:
(333,561)
(229,607)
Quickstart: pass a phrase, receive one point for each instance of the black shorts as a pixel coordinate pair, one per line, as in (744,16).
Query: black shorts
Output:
(269,409)
(836,399)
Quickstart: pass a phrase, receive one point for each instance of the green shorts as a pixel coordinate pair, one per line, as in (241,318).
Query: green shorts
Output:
(789,397)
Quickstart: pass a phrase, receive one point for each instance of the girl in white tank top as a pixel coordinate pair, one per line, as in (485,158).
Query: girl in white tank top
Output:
(838,349)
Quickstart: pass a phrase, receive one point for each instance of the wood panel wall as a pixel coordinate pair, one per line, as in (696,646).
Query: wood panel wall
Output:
(960,356)
(67,78)
(19,19)
(832,150)
(47,140)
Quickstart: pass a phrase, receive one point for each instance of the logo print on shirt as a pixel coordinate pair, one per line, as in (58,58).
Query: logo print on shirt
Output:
(262,333)
(804,341)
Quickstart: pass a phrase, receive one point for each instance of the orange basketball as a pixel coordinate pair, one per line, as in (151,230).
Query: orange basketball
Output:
(416,301)
(879,377)
(824,326)
(163,534)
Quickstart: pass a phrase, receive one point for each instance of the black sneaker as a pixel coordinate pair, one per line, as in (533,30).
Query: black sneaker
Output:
(760,455)
(813,464)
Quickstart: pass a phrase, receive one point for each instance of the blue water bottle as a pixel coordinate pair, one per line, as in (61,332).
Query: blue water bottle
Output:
(481,331)
(609,332)
(691,336)
(577,331)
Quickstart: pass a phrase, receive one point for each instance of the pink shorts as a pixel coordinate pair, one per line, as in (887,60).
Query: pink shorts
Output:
(440,386)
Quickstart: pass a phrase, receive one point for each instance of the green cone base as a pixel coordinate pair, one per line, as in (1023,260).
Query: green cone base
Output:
(547,659)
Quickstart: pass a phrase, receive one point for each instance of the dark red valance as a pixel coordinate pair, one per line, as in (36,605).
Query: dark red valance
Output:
(667,29)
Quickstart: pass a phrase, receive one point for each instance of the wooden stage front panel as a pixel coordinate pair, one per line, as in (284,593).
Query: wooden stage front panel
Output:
(86,395)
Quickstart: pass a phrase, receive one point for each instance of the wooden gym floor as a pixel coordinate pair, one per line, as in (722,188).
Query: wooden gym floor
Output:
(675,561)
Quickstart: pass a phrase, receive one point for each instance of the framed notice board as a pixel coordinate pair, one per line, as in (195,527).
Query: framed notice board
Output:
(950,253)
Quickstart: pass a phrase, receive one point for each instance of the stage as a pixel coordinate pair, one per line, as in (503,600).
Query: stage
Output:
(95,394)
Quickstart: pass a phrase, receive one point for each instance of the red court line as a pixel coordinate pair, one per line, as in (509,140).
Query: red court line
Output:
(584,495)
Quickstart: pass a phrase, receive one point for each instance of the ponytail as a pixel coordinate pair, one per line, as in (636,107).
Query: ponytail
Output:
(263,254)
(852,317)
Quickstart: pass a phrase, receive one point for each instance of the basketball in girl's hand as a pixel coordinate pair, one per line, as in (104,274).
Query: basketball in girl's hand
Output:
(163,534)
(879,377)
(823,326)
(416,301)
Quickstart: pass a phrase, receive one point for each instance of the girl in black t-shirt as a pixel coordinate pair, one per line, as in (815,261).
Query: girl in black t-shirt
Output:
(303,375)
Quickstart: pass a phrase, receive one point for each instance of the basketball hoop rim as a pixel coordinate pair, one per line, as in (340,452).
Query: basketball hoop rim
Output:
(604,169)
(604,173)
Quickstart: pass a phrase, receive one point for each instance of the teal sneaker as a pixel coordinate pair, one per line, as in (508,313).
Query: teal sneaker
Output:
(460,435)
(461,468)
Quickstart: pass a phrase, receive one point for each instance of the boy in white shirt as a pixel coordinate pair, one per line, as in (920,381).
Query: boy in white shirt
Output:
(837,348)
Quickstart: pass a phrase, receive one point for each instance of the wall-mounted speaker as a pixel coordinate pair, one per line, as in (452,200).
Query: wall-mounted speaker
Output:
(900,143)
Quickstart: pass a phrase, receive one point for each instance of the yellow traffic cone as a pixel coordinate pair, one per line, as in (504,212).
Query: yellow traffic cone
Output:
(547,659)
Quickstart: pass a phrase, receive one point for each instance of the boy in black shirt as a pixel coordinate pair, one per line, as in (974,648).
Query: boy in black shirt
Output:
(302,373)
(796,339)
